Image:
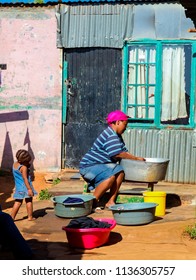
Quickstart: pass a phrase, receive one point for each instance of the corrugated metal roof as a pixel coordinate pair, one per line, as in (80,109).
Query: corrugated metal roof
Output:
(110,25)
(81,1)
(189,5)
(28,1)
(122,1)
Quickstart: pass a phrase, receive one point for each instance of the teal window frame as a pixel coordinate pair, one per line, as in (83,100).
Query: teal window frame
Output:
(158,82)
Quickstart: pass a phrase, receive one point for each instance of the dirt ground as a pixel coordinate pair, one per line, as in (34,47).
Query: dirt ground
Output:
(162,239)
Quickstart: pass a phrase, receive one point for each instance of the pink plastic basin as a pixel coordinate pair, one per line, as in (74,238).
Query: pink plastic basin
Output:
(89,238)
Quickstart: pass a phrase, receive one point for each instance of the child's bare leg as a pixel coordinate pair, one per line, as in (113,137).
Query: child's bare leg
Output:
(29,207)
(16,207)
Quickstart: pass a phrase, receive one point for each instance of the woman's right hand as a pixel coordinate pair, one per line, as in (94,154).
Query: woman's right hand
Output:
(141,158)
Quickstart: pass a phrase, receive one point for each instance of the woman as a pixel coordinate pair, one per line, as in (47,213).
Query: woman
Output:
(100,165)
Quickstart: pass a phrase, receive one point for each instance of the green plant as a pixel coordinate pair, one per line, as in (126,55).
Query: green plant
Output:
(44,195)
(191,231)
(56,181)
(129,199)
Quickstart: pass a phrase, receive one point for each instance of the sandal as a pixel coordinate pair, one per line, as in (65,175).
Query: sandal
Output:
(98,210)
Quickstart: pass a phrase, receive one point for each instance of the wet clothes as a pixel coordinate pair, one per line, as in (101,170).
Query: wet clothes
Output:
(72,200)
(87,222)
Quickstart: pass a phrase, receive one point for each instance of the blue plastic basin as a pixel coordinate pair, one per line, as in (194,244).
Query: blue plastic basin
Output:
(134,213)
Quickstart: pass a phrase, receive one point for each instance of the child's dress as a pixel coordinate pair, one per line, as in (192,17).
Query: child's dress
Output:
(21,191)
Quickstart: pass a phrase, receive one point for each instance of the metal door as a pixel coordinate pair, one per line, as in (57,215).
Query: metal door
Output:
(92,88)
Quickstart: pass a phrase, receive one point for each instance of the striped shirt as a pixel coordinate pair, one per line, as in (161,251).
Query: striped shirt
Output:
(106,146)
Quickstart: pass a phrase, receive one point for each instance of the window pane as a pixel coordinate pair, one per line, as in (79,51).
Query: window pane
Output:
(141,82)
(175,83)
(160,92)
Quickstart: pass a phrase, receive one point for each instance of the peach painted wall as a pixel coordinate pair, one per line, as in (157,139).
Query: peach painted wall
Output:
(30,87)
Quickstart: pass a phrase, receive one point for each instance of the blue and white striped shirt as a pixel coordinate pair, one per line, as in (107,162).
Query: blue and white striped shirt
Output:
(107,145)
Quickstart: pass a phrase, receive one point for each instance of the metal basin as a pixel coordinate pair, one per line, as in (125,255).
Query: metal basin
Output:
(134,213)
(73,210)
(151,170)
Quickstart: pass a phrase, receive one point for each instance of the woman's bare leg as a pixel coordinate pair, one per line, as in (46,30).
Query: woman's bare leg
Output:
(16,207)
(103,187)
(115,188)
(113,183)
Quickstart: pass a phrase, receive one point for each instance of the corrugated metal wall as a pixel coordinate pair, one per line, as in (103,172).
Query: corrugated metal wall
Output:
(178,146)
(109,25)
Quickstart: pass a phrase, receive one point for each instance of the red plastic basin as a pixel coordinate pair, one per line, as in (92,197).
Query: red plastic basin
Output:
(89,238)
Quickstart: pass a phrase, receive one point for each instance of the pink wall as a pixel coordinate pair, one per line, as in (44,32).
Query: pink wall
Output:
(30,90)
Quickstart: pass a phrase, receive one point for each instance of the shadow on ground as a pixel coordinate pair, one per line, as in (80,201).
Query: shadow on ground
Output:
(172,200)
(7,188)
(57,250)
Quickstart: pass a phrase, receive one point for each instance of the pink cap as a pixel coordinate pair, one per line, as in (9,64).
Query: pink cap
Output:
(116,116)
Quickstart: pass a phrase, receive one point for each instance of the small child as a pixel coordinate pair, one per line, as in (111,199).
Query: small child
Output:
(23,184)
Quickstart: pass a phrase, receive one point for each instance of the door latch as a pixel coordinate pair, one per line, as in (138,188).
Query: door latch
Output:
(69,87)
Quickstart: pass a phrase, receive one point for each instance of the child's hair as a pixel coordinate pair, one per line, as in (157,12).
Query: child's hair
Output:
(23,156)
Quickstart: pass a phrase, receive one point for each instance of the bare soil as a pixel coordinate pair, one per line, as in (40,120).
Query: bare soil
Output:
(162,239)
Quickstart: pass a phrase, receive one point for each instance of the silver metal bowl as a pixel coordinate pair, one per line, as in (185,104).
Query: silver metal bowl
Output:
(151,170)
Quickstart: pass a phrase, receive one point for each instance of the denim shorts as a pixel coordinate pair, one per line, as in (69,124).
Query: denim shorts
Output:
(98,173)
(21,194)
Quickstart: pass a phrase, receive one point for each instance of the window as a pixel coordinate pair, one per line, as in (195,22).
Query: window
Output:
(159,83)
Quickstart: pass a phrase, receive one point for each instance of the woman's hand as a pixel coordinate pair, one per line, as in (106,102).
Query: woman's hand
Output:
(127,155)
(141,158)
